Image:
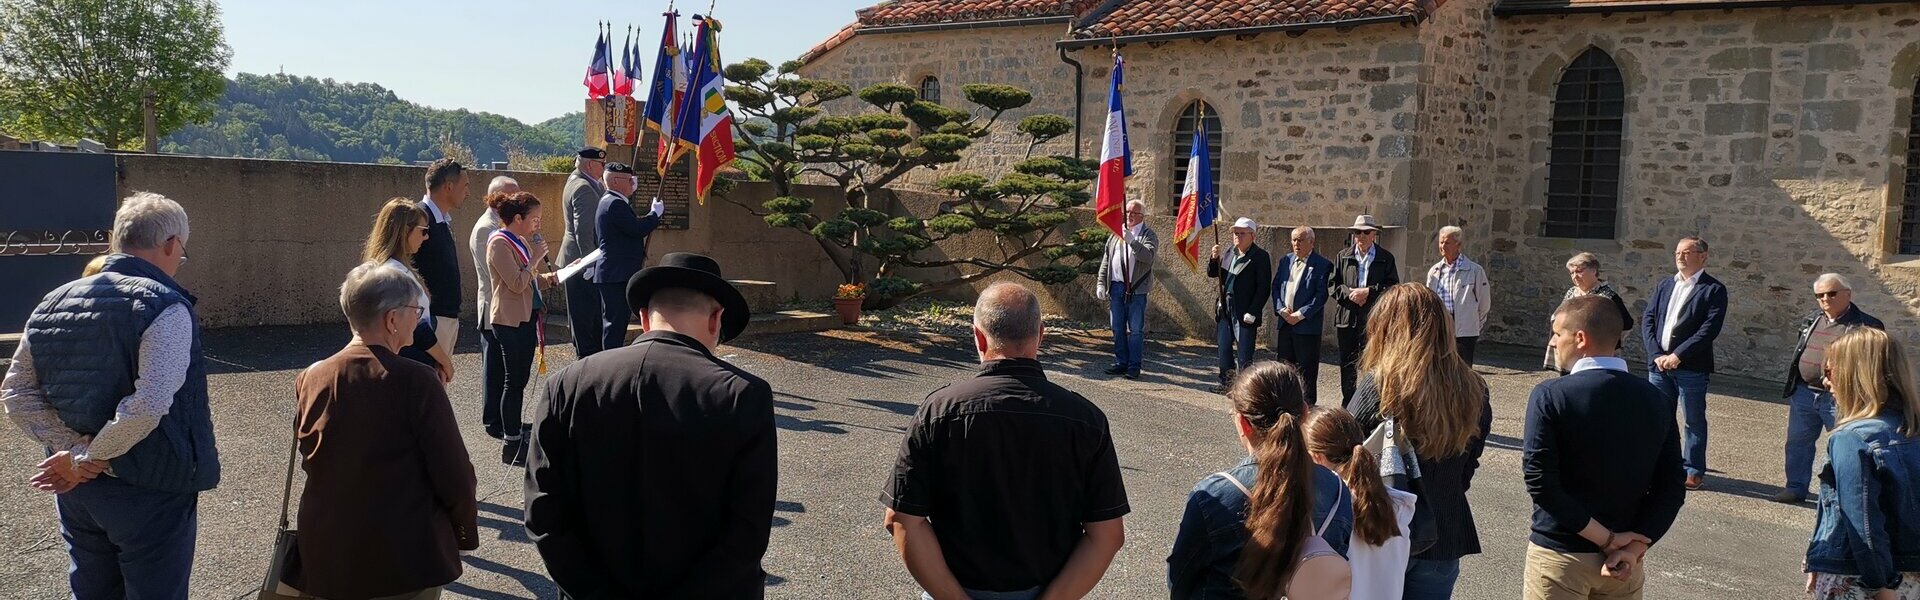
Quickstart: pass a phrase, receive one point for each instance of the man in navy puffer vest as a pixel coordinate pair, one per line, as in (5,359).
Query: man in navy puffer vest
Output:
(109,378)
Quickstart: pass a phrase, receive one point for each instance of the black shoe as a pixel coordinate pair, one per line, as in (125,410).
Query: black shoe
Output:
(1133,375)
(1115,370)
(1218,389)
(514,453)
(1789,497)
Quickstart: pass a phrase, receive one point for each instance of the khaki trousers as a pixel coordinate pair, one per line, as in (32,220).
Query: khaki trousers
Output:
(445,332)
(1554,575)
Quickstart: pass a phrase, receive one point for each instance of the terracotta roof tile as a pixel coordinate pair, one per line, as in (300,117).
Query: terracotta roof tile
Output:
(923,12)
(839,37)
(1143,17)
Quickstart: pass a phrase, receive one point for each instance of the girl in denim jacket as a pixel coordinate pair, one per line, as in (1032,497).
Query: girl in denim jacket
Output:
(1867,541)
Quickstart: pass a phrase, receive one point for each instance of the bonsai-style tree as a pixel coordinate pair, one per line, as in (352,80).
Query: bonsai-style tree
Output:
(789,138)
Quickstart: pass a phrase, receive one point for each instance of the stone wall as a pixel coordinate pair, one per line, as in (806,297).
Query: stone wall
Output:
(1778,136)
(1453,156)
(1019,56)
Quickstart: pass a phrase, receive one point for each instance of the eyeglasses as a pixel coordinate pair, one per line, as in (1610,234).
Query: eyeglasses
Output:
(422,228)
(1136,212)
(1826,295)
(1687,252)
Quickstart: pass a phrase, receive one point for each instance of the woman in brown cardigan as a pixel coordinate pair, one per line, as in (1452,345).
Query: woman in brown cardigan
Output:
(513,262)
(389,498)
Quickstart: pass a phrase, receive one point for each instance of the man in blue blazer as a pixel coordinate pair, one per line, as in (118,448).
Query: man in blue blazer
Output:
(1683,317)
(623,249)
(1299,292)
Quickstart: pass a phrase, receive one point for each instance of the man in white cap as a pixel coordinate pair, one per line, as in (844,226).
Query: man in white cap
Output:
(1246,282)
(1363,270)
(1462,286)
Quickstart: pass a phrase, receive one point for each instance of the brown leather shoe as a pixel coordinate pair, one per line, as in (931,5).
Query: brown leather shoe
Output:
(1694,481)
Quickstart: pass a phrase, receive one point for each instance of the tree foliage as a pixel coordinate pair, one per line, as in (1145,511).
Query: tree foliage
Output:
(303,118)
(804,134)
(82,68)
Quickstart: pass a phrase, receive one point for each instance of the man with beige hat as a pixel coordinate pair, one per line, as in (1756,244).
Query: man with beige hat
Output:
(1363,270)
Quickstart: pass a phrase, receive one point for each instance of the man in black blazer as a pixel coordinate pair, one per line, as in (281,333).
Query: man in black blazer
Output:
(1683,317)
(1245,272)
(1362,271)
(623,250)
(438,262)
(652,467)
(1299,295)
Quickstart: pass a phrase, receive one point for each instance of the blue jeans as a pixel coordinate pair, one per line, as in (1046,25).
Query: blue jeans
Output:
(1129,325)
(1431,579)
(1231,336)
(127,541)
(1808,412)
(1689,390)
(1028,594)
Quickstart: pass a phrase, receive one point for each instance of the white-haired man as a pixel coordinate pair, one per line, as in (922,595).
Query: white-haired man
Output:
(582,197)
(493,368)
(1125,277)
(109,379)
(1809,403)
(1462,286)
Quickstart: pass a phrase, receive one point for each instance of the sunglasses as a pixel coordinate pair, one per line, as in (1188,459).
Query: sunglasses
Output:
(1826,295)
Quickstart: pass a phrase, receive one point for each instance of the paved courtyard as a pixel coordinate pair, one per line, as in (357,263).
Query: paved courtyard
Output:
(843,398)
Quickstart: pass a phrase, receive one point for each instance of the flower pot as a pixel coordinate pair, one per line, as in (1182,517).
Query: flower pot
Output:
(849,309)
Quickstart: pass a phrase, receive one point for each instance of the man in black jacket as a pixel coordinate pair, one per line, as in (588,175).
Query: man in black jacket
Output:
(438,262)
(1362,270)
(1809,403)
(623,250)
(652,468)
(1245,272)
(1601,460)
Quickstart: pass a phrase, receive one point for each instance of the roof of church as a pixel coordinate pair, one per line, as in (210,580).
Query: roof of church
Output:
(927,12)
(1528,7)
(1179,18)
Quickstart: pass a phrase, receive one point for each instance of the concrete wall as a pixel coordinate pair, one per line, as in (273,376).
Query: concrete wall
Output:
(1778,136)
(273,239)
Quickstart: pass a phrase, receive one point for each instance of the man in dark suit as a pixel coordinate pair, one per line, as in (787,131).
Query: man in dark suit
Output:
(1363,269)
(652,468)
(1244,271)
(582,196)
(438,262)
(1683,316)
(1602,463)
(1299,294)
(623,250)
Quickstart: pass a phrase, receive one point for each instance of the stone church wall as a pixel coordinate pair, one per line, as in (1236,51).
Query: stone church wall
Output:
(1777,135)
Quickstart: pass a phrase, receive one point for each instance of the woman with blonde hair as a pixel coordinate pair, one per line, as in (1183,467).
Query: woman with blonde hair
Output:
(1411,372)
(398,232)
(1866,543)
(1276,524)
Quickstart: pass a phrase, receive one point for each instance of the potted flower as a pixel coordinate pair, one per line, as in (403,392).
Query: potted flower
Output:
(847,299)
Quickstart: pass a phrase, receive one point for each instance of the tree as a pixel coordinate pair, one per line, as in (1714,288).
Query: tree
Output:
(790,135)
(82,68)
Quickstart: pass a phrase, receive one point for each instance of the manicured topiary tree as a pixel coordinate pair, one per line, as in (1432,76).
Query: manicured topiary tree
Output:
(792,137)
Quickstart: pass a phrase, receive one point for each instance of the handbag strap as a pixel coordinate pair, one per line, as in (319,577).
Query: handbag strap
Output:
(1328,522)
(293,450)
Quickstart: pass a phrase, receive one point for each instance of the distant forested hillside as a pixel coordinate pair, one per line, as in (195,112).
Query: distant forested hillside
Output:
(571,127)
(303,118)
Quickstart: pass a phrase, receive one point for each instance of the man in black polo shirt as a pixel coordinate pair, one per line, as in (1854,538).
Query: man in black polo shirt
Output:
(1006,482)
(1601,461)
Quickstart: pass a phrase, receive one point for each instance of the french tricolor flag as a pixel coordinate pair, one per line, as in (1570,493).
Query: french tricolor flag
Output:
(1116,160)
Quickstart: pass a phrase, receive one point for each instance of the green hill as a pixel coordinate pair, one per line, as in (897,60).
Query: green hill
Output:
(570,127)
(303,118)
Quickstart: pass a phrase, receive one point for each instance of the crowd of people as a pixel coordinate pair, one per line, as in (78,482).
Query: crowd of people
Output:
(651,466)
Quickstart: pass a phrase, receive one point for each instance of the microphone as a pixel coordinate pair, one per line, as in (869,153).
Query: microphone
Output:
(538,239)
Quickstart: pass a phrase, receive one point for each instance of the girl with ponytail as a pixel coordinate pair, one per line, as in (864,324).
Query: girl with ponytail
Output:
(1381,515)
(1274,526)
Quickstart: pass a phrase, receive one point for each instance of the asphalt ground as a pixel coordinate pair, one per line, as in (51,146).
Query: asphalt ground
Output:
(843,398)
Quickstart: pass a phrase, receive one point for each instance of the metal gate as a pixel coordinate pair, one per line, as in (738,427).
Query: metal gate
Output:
(55,212)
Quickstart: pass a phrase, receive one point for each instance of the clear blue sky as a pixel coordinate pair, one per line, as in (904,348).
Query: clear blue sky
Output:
(515,58)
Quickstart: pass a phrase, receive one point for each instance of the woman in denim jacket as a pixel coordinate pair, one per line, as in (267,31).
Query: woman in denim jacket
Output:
(1867,541)
(1276,522)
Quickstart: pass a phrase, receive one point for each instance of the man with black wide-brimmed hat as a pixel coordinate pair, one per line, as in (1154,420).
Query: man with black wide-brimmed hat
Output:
(652,468)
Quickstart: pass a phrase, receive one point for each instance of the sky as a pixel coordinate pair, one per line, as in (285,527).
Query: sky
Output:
(498,56)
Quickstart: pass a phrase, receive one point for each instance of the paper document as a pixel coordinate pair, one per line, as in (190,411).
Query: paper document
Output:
(578,264)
